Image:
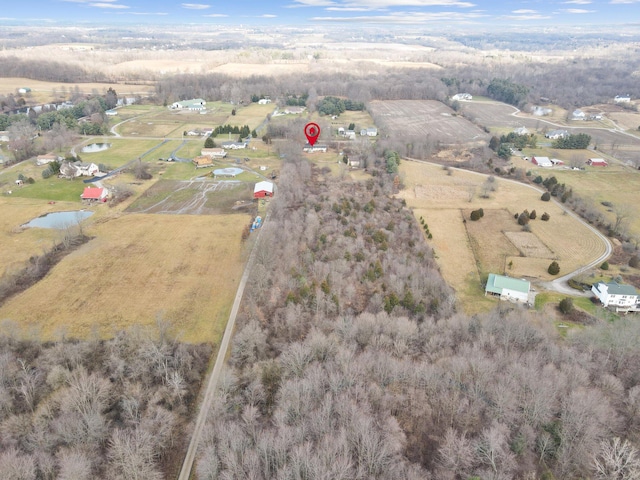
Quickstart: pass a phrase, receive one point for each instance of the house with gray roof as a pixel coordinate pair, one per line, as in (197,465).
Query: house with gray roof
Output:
(622,297)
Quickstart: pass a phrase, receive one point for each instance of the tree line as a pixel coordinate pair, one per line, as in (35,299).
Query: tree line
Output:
(350,361)
(82,410)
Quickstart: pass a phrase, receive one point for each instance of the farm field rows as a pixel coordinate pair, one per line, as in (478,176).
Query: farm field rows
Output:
(468,252)
(184,268)
(424,118)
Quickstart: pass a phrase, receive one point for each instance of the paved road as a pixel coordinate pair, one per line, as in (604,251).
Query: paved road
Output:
(212,383)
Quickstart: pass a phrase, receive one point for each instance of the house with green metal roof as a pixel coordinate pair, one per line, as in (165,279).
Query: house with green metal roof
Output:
(507,288)
(621,296)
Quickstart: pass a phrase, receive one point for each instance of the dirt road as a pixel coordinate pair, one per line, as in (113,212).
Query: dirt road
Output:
(212,383)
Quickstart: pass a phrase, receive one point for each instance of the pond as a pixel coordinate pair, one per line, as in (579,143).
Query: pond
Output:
(59,220)
(95,147)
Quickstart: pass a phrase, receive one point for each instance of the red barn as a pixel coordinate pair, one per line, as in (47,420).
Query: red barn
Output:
(597,162)
(94,194)
(263,189)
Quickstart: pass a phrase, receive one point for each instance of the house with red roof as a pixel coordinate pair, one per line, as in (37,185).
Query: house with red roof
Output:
(94,194)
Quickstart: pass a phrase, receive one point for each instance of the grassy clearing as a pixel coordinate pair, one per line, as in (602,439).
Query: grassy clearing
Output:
(19,244)
(185,268)
(121,151)
(252,115)
(467,252)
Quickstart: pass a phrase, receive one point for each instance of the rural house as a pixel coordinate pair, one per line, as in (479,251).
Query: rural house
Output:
(578,115)
(622,99)
(213,152)
(263,189)
(78,169)
(234,145)
(293,110)
(369,132)
(597,162)
(314,148)
(541,161)
(623,297)
(507,288)
(195,104)
(350,134)
(264,101)
(521,131)
(555,134)
(462,96)
(94,194)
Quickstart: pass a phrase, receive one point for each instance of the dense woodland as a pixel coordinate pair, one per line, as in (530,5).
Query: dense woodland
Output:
(113,409)
(350,362)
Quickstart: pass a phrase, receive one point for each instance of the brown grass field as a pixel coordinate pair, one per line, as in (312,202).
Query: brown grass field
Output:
(425,118)
(185,268)
(467,252)
(616,183)
(18,244)
(48,91)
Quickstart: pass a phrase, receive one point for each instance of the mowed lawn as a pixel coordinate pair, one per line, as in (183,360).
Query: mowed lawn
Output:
(184,268)
(468,251)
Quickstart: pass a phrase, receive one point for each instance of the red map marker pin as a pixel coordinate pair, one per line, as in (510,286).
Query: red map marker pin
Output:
(312,132)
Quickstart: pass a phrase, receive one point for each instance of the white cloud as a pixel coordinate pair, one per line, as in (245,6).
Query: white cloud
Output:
(366,5)
(195,6)
(215,15)
(147,13)
(579,2)
(623,1)
(524,12)
(526,17)
(108,5)
(576,10)
(407,18)
(267,15)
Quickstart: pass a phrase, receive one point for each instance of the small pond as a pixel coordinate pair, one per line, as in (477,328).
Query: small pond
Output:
(59,220)
(95,147)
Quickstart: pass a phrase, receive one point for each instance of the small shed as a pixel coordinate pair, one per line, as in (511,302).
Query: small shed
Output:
(597,162)
(263,189)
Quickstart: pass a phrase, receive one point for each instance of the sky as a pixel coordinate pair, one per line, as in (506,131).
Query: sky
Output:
(281,12)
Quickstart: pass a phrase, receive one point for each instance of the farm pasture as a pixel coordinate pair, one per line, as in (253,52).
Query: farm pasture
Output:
(424,119)
(19,244)
(475,249)
(193,197)
(184,268)
(42,91)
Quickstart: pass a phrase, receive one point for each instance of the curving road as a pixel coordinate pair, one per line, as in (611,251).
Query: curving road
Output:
(560,284)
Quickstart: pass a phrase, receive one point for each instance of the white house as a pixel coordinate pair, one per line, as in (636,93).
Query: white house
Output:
(341,131)
(369,132)
(623,297)
(314,148)
(350,134)
(78,169)
(507,288)
(578,115)
(233,145)
(195,104)
(541,111)
(293,110)
(111,113)
(555,134)
(521,131)
(264,101)
(622,99)
(213,152)
(462,96)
